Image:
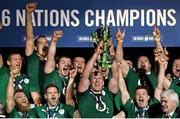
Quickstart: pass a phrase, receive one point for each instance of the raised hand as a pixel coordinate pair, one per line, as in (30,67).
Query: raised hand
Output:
(110,44)
(73,73)
(57,35)
(120,35)
(14,73)
(161,57)
(156,33)
(157,53)
(30,7)
(166,53)
(99,48)
(167,81)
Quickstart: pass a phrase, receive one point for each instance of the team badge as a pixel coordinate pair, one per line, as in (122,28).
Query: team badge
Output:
(61,111)
(101,106)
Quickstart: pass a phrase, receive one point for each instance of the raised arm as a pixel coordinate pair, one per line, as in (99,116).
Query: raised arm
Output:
(84,82)
(10,103)
(50,63)
(160,78)
(122,86)
(69,89)
(36,98)
(119,52)
(113,83)
(1,61)
(29,29)
(157,38)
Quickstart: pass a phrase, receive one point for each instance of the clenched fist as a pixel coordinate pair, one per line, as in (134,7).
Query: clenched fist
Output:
(30,7)
(57,35)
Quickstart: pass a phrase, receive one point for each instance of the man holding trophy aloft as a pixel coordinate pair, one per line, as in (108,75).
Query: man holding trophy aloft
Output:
(96,99)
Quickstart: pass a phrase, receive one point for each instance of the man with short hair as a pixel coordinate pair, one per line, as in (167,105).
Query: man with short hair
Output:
(21,81)
(74,78)
(142,107)
(17,104)
(169,104)
(60,77)
(36,50)
(53,108)
(95,100)
(79,62)
(143,74)
(173,81)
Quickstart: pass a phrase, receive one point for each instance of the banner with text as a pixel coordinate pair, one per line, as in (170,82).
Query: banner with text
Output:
(78,19)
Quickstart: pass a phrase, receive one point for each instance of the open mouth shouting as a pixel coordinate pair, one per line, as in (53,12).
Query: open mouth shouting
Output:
(143,66)
(140,102)
(65,71)
(79,68)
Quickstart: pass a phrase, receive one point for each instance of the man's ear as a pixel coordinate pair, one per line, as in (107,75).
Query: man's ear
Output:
(35,48)
(45,96)
(57,66)
(103,83)
(8,62)
(148,97)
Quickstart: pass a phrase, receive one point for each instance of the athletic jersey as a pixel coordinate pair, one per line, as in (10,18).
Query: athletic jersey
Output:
(175,85)
(176,80)
(25,83)
(175,115)
(4,80)
(147,112)
(76,81)
(18,114)
(60,111)
(21,82)
(132,81)
(35,69)
(118,101)
(92,105)
(59,81)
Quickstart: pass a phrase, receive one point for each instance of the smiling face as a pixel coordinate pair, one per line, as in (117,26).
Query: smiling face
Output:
(176,68)
(143,62)
(168,105)
(79,62)
(141,98)
(64,66)
(96,82)
(22,102)
(52,96)
(15,62)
